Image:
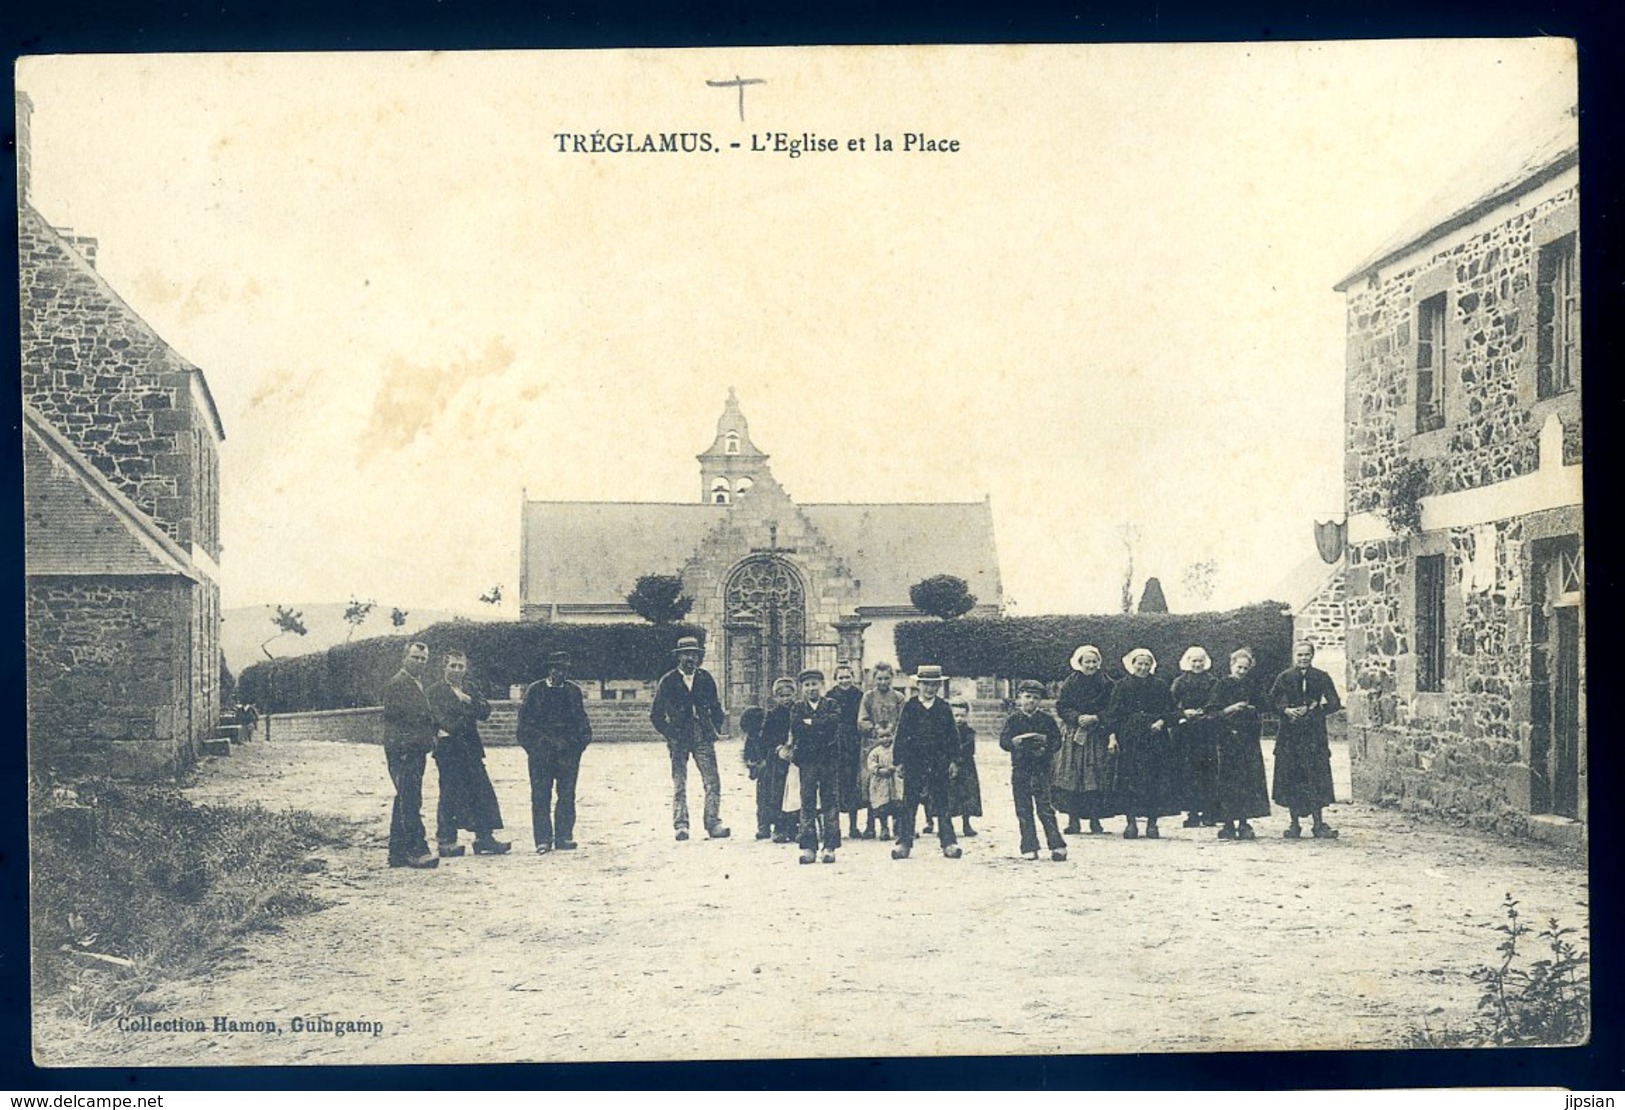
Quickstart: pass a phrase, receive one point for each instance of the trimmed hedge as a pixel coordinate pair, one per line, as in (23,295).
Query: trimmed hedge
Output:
(500,655)
(1042,647)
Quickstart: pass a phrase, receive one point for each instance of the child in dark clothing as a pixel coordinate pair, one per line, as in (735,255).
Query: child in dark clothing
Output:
(967,783)
(767,767)
(1032,737)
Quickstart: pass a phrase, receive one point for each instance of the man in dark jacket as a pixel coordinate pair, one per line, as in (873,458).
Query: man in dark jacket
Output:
(409,734)
(924,750)
(815,722)
(467,799)
(1032,738)
(689,714)
(554,731)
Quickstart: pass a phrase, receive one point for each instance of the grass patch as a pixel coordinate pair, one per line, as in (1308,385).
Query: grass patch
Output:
(1523,1002)
(132,885)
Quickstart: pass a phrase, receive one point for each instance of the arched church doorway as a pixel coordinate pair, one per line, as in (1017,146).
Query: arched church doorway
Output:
(765,623)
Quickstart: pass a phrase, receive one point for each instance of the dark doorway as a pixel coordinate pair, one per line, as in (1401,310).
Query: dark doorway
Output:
(1554,641)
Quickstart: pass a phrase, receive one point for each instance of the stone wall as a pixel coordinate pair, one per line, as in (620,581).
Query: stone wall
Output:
(107,683)
(101,375)
(1463,752)
(1492,417)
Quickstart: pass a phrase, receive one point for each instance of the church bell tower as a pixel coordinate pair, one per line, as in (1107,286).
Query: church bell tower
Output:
(732,464)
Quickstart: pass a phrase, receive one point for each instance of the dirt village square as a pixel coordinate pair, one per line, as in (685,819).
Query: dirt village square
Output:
(1383,472)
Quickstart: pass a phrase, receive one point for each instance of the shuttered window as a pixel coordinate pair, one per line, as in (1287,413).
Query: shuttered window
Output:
(1430,623)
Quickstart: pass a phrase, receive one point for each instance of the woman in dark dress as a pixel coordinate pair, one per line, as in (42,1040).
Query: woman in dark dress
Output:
(1139,712)
(1196,741)
(1236,711)
(849,749)
(1085,771)
(1304,697)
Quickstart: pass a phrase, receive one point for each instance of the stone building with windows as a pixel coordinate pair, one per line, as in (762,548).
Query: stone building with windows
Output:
(1464,591)
(776,585)
(121,529)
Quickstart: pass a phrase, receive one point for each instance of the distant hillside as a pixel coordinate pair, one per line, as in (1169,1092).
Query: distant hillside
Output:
(242,631)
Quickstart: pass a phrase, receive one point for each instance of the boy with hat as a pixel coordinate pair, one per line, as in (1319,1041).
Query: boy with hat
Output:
(1032,738)
(927,742)
(814,721)
(689,714)
(554,731)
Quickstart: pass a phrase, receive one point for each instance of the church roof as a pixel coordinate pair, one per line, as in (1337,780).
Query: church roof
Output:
(76,522)
(591,552)
(1541,141)
(889,547)
(594,551)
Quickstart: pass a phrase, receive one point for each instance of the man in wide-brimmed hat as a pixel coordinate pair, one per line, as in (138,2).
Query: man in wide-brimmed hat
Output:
(927,742)
(554,731)
(689,714)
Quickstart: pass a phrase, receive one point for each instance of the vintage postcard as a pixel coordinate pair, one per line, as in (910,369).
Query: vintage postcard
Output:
(803,552)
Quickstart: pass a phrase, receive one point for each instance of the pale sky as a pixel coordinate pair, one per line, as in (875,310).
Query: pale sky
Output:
(1112,306)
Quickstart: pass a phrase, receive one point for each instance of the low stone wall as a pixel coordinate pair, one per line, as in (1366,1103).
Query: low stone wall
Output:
(612,722)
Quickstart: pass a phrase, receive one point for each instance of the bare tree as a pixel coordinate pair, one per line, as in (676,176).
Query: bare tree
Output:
(286,621)
(1130,535)
(355,614)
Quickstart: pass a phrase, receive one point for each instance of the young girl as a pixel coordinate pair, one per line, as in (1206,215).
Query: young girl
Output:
(885,786)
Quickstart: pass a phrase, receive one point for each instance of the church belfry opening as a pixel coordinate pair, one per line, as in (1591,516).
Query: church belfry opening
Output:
(732,464)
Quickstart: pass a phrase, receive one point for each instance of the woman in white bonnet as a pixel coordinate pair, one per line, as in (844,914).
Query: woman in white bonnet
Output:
(1235,705)
(1085,769)
(1196,741)
(1139,713)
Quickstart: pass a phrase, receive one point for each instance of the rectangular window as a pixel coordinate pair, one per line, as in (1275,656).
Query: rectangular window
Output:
(1429,623)
(1430,363)
(1557,289)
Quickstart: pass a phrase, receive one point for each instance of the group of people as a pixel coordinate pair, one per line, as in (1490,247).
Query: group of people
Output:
(1137,748)
(1143,750)
(442,719)
(820,755)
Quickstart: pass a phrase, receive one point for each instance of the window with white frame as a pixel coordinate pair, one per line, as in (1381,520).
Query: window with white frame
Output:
(1557,292)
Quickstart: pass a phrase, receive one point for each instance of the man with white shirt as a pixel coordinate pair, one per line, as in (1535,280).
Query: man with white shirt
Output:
(688,712)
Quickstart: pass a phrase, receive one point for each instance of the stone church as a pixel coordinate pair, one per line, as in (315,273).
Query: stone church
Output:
(776,585)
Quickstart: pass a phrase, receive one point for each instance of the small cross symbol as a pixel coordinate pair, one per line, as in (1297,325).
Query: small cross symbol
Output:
(739,83)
